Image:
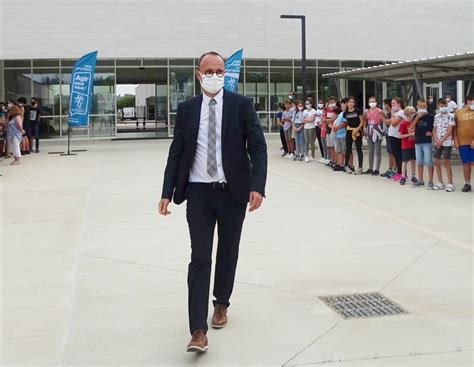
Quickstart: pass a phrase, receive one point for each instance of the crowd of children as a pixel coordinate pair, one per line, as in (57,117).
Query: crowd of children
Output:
(415,138)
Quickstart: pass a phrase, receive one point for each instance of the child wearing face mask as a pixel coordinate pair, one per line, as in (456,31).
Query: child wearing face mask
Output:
(464,138)
(387,121)
(423,124)
(452,106)
(329,118)
(407,136)
(393,132)
(443,144)
(298,130)
(339,130)
(309,117)
(374,117)
(319,113)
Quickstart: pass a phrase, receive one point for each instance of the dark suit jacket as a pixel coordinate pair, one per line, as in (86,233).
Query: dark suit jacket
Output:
(244,150)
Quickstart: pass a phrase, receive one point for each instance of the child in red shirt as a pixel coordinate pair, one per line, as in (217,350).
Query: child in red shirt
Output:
(407,135)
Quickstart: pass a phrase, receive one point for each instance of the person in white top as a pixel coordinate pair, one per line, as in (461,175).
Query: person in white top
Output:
(395,142)
(309,116)
(452,106)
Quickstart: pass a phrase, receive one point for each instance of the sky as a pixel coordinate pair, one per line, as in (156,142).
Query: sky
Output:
(123,89)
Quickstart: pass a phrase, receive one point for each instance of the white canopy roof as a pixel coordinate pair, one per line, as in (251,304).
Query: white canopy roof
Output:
(458,66)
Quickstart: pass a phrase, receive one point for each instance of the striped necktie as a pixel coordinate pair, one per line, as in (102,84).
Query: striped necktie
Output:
(211,140)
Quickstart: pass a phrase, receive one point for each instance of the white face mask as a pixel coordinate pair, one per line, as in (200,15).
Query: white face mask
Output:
(422,110)
(443,109)
(448,99)
(373,105)
(471,106)
(212,84)
(430,100)
(331,105)
(320,105)
(300,108)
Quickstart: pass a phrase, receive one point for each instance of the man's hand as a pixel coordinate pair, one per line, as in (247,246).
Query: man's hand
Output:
(163,207)
(255,201)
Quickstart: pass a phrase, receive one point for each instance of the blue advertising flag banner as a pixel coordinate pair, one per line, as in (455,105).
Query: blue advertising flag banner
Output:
(232,71)
(82,78)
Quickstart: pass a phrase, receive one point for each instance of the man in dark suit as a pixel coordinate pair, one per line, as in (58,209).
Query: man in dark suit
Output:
(218,163)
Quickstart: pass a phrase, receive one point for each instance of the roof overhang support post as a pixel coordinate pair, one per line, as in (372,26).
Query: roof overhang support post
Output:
(336,81)
(419,90)
(468,90)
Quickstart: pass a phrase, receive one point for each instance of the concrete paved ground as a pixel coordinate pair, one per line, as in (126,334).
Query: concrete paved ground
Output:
(91,275)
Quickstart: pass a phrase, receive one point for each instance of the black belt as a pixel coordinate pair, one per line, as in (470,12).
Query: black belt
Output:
(214,185)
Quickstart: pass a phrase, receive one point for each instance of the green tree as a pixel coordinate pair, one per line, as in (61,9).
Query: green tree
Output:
(126,101)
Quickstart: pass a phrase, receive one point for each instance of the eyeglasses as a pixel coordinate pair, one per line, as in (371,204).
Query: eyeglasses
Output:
(210,74)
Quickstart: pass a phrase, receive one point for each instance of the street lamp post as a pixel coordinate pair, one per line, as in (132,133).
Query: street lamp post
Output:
(303,47)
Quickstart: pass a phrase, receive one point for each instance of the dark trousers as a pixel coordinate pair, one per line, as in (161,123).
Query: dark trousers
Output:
(283,139)
(34,133)
(358,143)
(320,142)
(206,207)
(396,145)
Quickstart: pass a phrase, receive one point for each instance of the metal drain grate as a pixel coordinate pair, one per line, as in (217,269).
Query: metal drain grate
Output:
(363,305)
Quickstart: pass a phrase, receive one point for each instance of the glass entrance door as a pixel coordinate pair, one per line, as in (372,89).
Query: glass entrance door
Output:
(147,115)
(434,90)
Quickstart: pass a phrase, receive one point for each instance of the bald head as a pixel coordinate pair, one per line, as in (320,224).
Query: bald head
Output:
(210,63)
(209,55)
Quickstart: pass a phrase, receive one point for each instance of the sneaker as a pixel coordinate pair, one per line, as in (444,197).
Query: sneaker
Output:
(358,171)
(397,177)
(429,186)
(306,159)
(290,156)
(418,184)
(450,188)
(301,158)
(414,179)
(369,172)
(338,168)
(376,173)
(466,188)
(348,170)
(386,173)
(391,174)
(352,168)
(438,186)
(403,180)
(322,160)
(295,158)
(284,154)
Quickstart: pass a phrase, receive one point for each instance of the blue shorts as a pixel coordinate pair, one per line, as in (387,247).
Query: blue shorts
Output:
(424,154)
(466,153)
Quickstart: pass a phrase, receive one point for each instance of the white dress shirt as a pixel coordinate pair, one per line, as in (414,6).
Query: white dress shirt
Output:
(198,172)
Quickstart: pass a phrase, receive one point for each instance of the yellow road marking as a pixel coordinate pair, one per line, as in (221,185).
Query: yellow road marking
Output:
(377,211)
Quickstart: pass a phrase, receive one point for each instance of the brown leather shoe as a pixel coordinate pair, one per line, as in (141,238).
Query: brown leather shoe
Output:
(198,342)
(219,319)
